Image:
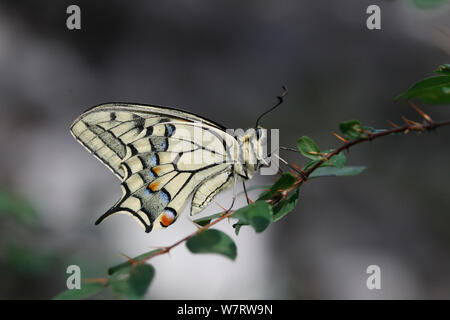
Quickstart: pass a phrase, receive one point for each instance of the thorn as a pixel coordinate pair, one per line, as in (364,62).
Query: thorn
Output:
(194,223)
(297,169)
(285,91)
(411,123)
(96,280)
(392,124)
(159,247)
(303,175)
(423,114)
(248,198)
(218,204)
(318,153)
(130,260)
(284,193)
(339,137)
(414,123)
(404,119)
(285,162)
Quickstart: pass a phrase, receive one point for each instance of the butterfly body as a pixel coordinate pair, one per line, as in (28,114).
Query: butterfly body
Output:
(163,156)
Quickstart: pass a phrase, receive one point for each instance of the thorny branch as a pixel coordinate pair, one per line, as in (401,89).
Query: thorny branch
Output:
(427,125)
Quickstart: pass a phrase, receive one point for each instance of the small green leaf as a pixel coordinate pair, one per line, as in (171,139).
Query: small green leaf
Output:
(285,206)
(266,195)
(352,129)
(434,90)
(443,69)
(308,148)
(132,282)
(212,241)
(18,208)
(286,181)
(205,220)
(258,215)
(237,228)
(310,164)
(127,264)
(337,160)
(429,4)
(27,260)
(336,172)
(87,290)
(373,130)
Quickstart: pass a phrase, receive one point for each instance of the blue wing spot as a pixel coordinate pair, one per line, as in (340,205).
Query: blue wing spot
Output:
(151,174)
(170,130)
(148,192)
(164,145)
(154,160)
(164,196)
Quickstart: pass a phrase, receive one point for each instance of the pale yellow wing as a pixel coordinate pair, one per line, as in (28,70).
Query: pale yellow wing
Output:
(162,156)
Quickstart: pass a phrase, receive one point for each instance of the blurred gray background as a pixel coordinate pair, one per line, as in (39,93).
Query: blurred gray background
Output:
(227,60)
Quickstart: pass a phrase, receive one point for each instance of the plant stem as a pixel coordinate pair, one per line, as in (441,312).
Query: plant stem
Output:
(409,126)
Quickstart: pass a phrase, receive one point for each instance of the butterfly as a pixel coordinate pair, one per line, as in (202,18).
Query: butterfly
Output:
(163,156)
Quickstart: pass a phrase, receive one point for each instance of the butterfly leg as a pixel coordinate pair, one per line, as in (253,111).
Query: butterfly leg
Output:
(245,191)
(234,195)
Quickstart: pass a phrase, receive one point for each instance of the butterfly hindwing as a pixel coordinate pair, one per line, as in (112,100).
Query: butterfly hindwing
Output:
(156,195)
(210,188)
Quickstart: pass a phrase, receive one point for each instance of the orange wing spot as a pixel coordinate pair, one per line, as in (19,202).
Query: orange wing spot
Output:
(153,186)
(156,170)
(166,220)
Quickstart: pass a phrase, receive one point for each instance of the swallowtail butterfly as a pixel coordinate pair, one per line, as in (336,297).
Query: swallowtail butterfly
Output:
(163,156)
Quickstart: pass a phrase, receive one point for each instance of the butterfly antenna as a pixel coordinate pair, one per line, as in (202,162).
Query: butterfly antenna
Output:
(280,101)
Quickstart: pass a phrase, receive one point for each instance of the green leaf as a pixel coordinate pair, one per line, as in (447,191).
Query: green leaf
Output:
(132,282)
(87,290)
(429,4)
(127,264)
(266,195)
(285,206)
(259,215)
(336,172)
(18,208)
(337,160)
(308,147)
(286,181)
(434,90)
(212,241)
(352,129)
(310,164)
(443,69)
(373,130)
(237,228)
(205,220)
(27,260)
